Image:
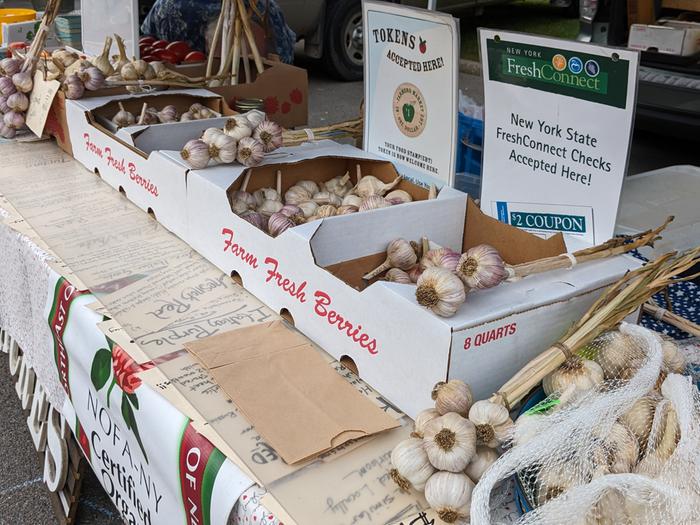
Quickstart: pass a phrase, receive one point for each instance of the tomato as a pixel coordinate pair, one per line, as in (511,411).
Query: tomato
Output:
(148,58)
(147,40)
(195,56)
(145,50)
(166,56)
(160,44)
(180,48)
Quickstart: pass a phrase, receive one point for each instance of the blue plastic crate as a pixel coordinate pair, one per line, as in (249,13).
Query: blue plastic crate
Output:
(470,133)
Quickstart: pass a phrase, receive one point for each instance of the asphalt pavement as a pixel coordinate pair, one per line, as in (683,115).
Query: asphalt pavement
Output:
(23,497)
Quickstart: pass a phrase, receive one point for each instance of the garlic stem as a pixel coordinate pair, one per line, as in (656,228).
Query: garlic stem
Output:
(358,170)
(142,116)
(432,192)
(279,182)
(425,245)
(244,186)
(379,269)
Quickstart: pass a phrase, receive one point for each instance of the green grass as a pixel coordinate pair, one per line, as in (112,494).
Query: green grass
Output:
(526,16)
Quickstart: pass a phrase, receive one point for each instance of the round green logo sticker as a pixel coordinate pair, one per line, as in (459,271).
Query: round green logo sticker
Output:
(410,111)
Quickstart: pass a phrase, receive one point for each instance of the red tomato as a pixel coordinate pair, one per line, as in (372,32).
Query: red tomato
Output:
(180,48)
(145,49)
(147,40)
(195,56)
(160,44)
(166,56)
(149,58)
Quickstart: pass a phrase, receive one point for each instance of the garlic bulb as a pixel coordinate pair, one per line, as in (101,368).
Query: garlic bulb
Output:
(269,134)
(480,463)
(352,200)
(441,291)
(452,396)
(123,117)
(10,66)
(266,194)
(279,223)
(210,133)
(557,478)
(74,88)
(246,198)
(327,210)
(450,495)
(481,267)
(640,417)
(374,202)
(4,108)
(399,254)
(326,197)
(250,151)
(269,207)
(309,186)
(146,117)
(414,273)
(621,449)
(102,60)
(169,114)
(255,117)
(576,375)
(492,421)
(397,275)
(339,185)
(370,185)
(186,116)
(398,197)
(347,209)
(7,87)
(128,72)
(14,119)
(296,194)
(196,154)
(614,352)
(662,445)
(527,426)
(18,102)
(23,81)
(223,149)
(7,132)
(255,218)
(410,464)
(440,258)
(92,78)
(423,418)
(674,361)
(238,127)
(308,208)
(450,442)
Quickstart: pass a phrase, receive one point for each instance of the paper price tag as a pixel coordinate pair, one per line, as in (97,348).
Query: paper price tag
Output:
(40,101)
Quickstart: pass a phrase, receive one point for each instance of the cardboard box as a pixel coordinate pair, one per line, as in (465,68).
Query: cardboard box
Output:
(284,89)
(674,37)
(154,179)
(312,272)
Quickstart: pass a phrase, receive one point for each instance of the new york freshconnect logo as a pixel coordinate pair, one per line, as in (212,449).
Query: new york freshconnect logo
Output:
(562,71)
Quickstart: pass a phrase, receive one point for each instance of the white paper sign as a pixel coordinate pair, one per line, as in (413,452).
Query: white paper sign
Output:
(40,101)
(557,131)
(411,74)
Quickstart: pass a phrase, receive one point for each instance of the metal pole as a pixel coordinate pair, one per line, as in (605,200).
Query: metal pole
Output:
(432,5)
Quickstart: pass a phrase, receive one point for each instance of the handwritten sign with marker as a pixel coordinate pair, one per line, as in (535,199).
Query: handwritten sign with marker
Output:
(558,124)
(40,101)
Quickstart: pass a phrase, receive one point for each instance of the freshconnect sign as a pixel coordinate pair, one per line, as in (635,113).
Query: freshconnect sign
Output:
(558,122)
(588,77)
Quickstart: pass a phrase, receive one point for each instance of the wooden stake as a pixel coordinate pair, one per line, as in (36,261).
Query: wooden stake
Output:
(249,35)
(246,63)
(214,42)
(236,51)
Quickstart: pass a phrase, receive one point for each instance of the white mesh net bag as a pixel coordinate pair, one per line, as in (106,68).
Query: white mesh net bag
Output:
(624,452)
